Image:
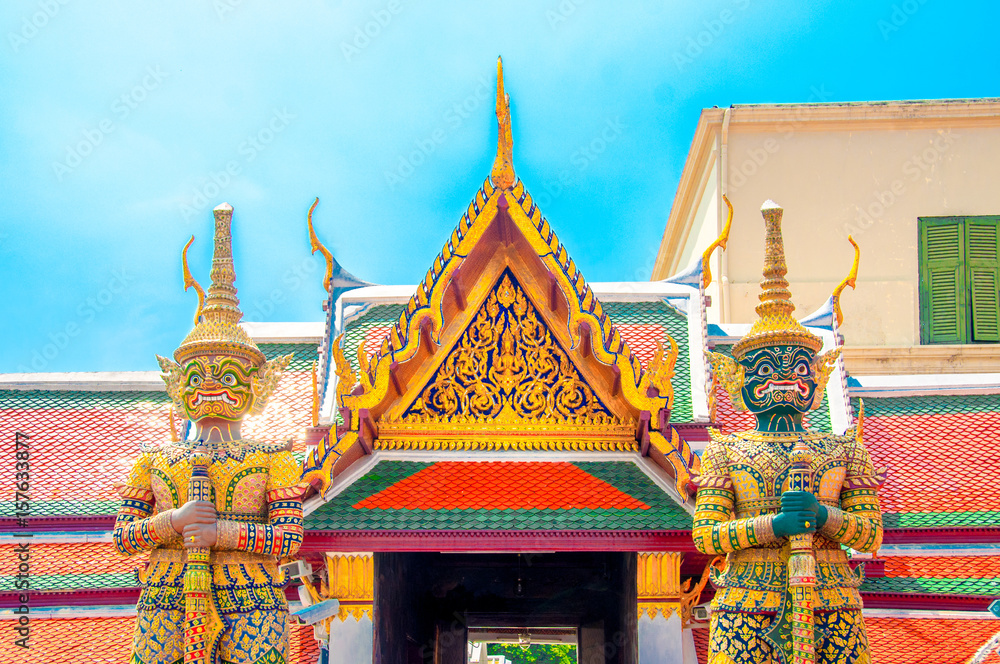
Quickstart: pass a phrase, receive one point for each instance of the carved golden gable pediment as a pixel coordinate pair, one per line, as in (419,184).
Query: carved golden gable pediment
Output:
(507,367)
(508,378)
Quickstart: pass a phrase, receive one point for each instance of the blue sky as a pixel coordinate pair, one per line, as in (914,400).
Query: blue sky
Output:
(122,124)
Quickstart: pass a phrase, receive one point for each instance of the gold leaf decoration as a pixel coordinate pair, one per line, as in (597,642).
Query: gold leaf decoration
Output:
(508,367)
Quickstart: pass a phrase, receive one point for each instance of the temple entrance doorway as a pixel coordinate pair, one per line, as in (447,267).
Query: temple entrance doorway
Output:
(428,607)
(499,645)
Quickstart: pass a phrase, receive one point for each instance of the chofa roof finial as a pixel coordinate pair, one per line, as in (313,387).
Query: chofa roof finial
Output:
(502,174)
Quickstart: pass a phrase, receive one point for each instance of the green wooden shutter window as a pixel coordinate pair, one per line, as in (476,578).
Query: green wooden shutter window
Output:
(942,277)
(983,256)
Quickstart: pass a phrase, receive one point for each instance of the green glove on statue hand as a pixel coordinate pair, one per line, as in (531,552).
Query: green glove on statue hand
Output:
(800,513)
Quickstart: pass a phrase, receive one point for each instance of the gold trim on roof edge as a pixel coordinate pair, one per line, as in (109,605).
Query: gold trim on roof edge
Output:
(403,340)
(191,282)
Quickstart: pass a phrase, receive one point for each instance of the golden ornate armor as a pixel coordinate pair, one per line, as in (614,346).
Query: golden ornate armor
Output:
(739,489)
(783,503)
(213,594)
(260,519)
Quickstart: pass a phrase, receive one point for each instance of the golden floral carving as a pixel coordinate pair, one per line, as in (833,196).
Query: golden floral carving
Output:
(507,367)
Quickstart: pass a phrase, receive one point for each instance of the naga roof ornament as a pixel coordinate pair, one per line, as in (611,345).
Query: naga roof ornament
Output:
(850,280)
(775,324)
(218,330)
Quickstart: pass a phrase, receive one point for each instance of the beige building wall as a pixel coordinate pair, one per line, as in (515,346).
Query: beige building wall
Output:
(868,170)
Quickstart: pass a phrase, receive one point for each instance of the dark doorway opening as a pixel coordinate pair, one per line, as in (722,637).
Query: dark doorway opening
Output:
(427,603)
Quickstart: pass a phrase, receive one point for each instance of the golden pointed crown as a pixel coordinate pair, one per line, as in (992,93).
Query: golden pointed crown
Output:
(775,325)
(218,330)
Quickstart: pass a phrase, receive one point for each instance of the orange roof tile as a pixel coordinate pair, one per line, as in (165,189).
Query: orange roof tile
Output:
(927,640)
(501,485)
(943,567)
(937,463)
(642,339)
(82,443)
(105,641)
(77,558)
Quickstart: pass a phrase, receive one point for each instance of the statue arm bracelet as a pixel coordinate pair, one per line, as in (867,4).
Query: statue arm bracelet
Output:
(280,537)
(135,533)
(716,531)
(861,530)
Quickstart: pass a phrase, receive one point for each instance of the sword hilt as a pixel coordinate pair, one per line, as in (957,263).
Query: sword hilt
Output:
(197,576)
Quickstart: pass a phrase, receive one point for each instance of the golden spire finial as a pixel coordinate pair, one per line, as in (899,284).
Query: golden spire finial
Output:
(721,241)
(502,174)
(218,330)
(221,300)
(191,282)
(318,246)
(775,298)
(775,324)
(851,280)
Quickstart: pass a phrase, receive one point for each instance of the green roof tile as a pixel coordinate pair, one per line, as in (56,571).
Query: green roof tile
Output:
(944,404)
(933,586)
(675,324)
(664,513)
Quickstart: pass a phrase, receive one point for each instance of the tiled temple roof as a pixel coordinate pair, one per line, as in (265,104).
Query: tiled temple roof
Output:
(968,576)
(927,640)
(82,443)
(943,455)
(507,495)
(106,640)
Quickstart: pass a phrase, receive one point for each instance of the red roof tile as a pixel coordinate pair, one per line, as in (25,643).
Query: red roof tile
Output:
(943,567)
(78,453)
(104,641)
(82,558)
(927,640)
(937,463)
(911,640)
(642,339)
(288,412)
(373,338)
(701,644)
(82,443)
(502,485)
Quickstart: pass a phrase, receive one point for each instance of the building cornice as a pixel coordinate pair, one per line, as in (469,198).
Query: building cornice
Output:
(847,116)
(930,359)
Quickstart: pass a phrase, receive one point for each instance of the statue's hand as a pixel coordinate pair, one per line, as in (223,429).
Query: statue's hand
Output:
(200,535)
(194,512)
(798,508)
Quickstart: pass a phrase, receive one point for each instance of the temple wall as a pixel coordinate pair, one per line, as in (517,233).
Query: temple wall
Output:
(872,184)
(835,179)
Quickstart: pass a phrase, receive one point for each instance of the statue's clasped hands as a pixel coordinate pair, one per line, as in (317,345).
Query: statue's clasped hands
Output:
(195,521)
(800,513)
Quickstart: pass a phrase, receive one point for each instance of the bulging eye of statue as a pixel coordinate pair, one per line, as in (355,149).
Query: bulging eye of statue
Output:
(194,380)
(802,369)
(229,379)
(765,370)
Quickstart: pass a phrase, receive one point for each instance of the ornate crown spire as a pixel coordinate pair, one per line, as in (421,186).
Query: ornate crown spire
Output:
(218,331)
(502,174)
(775,324)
